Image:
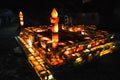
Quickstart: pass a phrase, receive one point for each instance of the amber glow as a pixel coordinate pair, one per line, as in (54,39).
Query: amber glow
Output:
(21,19)
(55,40)
(29,42)
(21,15)
(54,13)
(55,37)
(55,28)
(43,44)
(54,20)
(55,45)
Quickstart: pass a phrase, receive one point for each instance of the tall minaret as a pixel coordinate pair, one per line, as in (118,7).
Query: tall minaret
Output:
(21,19)
(54,20)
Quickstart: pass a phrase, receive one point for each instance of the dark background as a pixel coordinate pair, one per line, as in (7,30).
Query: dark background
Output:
(14,65)
(40,10)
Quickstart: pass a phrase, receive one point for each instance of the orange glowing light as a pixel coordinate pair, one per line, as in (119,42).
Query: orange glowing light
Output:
(54,13)
(54,44)
(21,18)
(55,28)
(55,40)
(54,20)
(43,44)
(21,14)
